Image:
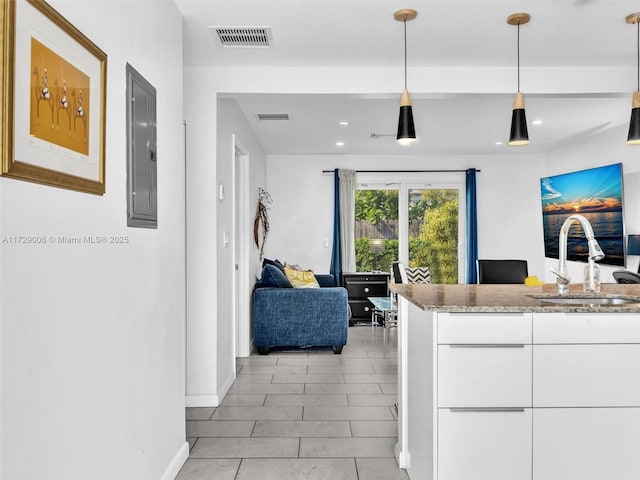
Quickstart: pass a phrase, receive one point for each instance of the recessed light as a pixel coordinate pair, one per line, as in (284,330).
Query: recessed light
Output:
(339,144)
(344,123)
(499,143)
(536,122)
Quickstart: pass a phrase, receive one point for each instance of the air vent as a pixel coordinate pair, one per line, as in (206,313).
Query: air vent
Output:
(243,37)
(273,116)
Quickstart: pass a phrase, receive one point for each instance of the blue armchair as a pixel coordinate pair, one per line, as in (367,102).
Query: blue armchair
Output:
(301,317)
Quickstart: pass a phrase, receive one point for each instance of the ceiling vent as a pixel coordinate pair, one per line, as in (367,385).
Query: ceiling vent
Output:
(243,37)
(273,116)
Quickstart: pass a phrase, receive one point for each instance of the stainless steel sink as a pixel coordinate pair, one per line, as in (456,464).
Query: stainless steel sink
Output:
(586,299)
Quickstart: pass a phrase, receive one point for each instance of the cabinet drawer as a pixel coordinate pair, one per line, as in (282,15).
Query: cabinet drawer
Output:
(366,289)
(360,308)
(586,443)
(484,445)
(484,328)
(586,375)
(586,328)
(484,376)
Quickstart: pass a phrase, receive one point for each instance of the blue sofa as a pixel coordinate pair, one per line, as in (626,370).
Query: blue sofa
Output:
(301,317)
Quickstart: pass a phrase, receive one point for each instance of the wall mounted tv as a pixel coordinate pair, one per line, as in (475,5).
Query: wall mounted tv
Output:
(596,194)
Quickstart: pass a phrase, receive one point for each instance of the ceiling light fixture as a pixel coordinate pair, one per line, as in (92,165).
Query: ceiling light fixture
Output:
(634,124)
(406,128)
(519,134)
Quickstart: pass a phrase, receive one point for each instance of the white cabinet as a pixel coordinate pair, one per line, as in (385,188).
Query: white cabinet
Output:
(484,375)
(484,444)
(484,328)
(586,375)
(574,328)
(589,365)
(530,396)
(484,364)
(586,443)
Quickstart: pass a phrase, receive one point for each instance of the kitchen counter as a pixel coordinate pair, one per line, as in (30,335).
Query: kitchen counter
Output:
(511,298)
(496,384)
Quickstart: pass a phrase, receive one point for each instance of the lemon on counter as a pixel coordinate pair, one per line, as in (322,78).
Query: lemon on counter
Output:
(532,281)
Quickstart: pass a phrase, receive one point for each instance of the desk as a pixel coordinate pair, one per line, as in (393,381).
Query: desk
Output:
(382,306)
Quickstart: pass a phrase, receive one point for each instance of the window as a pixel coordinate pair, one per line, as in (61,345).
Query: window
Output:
(376,229)
(418,224)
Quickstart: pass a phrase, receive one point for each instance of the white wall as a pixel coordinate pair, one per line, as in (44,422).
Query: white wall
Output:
(210,162)
(92,336)
(509,213)
(605,148)
(235,130)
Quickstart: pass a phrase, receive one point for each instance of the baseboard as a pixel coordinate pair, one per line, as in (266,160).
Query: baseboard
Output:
(227,385)
(201,400)
(403,458)
(176,464)
(209,400)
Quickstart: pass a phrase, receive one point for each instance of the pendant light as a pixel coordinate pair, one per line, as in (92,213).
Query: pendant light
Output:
(406,128)
(519,134)
(634,125)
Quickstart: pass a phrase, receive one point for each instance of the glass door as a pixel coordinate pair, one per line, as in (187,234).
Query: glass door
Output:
(376,228)
(435,222)
(421,225)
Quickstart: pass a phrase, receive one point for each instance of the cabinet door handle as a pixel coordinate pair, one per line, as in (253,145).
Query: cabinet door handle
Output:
(487,345)
(487,410)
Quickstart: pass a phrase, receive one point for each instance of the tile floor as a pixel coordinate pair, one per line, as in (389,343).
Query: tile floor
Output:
(303,414)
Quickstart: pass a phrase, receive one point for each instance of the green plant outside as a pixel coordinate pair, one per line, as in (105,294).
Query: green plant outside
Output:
(435,247)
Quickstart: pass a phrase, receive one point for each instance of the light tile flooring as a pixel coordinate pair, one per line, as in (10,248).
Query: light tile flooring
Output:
(303,414)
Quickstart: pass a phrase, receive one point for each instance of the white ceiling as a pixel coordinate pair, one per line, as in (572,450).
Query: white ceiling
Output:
(445,33)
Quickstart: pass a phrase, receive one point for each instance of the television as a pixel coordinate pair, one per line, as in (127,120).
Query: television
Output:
(596,194)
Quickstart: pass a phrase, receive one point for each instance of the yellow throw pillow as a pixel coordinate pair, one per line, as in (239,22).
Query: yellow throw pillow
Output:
(301,278)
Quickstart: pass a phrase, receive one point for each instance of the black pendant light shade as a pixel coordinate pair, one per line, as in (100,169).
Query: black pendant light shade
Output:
(634,124)
(519,134)
(406,127)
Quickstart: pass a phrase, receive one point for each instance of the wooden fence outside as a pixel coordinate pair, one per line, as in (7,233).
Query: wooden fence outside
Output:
(387,229)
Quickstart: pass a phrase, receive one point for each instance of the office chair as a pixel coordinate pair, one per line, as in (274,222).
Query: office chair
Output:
(625,276)
(402,274)
(502,271)
(399,273)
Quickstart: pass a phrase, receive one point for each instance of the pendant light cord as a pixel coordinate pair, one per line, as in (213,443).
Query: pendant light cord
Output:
(405,53)
(638,54)
(518,57)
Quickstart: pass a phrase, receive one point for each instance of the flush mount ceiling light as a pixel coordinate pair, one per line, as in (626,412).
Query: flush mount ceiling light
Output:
(634,125)
(519,134)
(406,128)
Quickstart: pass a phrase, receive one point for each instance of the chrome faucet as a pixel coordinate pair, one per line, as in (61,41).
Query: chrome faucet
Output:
(595,252)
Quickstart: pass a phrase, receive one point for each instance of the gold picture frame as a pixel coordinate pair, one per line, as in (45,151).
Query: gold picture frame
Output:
(53,87)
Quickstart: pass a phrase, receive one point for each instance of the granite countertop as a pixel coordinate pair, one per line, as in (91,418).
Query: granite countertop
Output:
(513,298)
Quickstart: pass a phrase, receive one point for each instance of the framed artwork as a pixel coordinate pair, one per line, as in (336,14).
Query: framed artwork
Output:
(53,89)
(596,194)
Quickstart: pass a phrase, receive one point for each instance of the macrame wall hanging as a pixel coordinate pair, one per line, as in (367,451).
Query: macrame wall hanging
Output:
(261,222)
